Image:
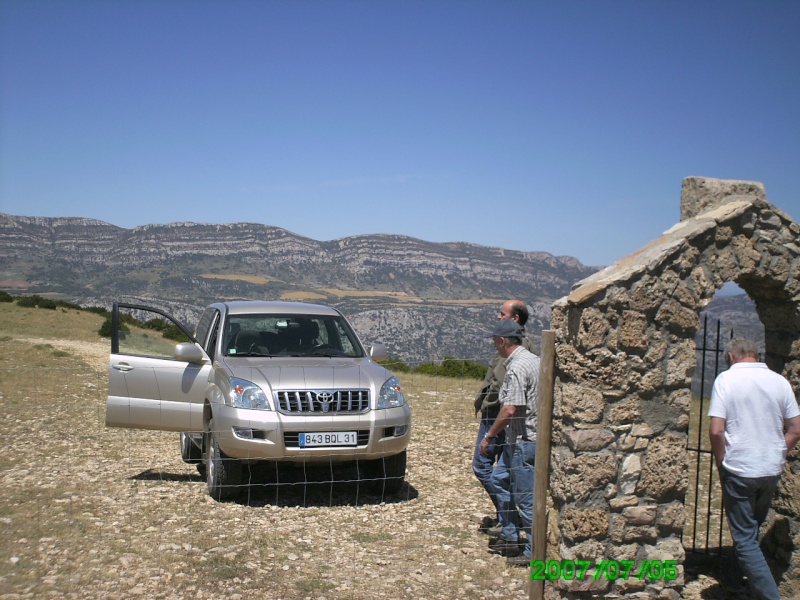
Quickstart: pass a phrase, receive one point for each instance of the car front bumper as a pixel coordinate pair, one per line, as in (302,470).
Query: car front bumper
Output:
(256,435)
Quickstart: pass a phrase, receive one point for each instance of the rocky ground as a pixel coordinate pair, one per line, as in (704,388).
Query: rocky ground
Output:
(92,512)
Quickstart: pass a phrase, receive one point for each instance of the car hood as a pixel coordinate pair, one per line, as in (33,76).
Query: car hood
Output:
(310,373)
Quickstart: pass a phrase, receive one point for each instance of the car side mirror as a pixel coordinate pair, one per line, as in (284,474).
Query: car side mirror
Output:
(189,352)
(378,352)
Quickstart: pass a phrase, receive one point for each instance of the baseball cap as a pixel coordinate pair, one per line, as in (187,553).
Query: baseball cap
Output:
(507,328)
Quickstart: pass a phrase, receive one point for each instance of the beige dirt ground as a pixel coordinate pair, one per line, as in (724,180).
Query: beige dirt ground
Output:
(93,512)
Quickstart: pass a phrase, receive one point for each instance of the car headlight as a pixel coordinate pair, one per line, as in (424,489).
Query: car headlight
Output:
(391,395)
(246,394)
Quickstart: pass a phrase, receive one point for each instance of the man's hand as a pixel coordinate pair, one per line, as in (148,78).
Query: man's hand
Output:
(716,433)
(792,433)
(484,447)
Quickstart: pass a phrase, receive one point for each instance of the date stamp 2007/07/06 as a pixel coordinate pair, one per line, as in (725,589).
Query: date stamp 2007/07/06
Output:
(650,570)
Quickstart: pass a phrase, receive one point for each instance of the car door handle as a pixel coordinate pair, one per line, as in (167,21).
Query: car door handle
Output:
(122,367)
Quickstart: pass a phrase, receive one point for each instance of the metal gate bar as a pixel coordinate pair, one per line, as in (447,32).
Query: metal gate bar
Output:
(703,522)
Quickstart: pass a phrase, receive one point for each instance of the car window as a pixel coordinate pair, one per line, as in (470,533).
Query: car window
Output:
(211,342)
(148,333)
(289,335)
(204,326)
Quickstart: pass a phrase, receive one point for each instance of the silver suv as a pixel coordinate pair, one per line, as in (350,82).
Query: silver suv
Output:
(259,381)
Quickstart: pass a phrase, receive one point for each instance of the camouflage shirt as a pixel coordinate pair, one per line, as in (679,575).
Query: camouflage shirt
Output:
(488,395)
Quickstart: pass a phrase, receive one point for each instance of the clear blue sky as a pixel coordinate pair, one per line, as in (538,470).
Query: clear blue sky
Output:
(565,127)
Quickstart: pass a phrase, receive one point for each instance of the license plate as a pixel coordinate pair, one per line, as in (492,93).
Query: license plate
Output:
(329,438)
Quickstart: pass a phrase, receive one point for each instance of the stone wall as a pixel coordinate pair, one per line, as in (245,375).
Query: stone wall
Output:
(625,356)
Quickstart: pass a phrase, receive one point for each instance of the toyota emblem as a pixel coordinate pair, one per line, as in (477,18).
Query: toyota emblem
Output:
(325,398)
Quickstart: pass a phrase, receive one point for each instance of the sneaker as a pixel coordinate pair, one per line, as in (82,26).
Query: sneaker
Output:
(506,548)
(487,524)
(494,531)
(519,561)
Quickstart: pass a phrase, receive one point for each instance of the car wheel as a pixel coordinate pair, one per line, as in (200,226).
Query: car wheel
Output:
(223,474)
(385,475)
(191,453)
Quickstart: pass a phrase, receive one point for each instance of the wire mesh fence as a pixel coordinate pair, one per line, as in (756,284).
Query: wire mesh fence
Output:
(96,512)
(89,511)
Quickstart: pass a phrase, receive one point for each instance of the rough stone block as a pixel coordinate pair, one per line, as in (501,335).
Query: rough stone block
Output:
(580,402)
(574,478)
(588,440)
(623,552)
(678,318)
(578,525)
(621,502)
(702,194)
(664,475)
(651,382)
(640,515)
(681,363)
(591,550)
(639,533)
(631,584)
(671,517)
(632,328)
(626,411)
(631,471)
(594,329)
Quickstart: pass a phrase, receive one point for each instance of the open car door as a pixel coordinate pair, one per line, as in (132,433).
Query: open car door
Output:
(157,372)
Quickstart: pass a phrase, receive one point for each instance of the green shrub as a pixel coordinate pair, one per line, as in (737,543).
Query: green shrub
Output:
(36,301)
(450,367)
(155,324)
(105,328)
(172,332)
(65,304)
(462,368)
(396,365)
(6,297)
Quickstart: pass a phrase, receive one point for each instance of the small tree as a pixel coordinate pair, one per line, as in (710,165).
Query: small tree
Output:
(105,328)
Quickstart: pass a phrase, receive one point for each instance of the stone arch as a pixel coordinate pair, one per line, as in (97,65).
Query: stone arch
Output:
(625,355)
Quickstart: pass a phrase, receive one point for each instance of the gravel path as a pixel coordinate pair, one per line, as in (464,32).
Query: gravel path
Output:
(93,512)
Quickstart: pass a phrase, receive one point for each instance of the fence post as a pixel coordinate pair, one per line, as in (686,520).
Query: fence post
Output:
(544,427)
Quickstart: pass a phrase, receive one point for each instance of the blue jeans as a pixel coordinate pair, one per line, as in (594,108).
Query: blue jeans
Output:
(747,502)
(507,507)
(523,473)
(483,466)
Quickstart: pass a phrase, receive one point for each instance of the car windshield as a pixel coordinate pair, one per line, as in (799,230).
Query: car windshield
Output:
(290,335)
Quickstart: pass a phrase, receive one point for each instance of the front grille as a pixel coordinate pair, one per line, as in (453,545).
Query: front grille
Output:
(322,402)
(291,439)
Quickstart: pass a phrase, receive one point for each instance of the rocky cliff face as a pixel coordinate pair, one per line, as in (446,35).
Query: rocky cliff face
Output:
(425,300)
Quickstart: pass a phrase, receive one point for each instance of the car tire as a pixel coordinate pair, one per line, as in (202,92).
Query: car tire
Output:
(190,452)
(223,474)
(385,475)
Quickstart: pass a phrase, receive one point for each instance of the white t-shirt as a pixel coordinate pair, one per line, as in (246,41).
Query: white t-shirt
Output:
(754,401)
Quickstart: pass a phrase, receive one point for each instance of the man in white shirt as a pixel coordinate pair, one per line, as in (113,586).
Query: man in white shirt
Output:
(755,421)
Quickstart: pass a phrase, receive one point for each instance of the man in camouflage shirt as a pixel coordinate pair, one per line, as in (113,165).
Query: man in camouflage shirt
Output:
(495,481)
(519,396)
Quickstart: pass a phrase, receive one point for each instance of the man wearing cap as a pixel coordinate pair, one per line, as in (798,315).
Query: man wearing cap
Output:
(519,396)
(487,403)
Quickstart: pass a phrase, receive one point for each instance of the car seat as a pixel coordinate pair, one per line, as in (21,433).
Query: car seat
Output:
(248,341)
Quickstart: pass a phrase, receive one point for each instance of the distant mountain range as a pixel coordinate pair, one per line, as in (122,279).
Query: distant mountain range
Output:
(424,300)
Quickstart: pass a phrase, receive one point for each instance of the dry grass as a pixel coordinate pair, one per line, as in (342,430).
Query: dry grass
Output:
(257,279)
(302,296)
(92,512)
